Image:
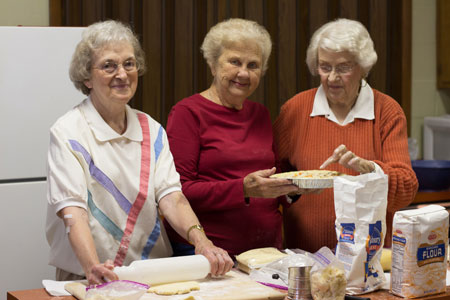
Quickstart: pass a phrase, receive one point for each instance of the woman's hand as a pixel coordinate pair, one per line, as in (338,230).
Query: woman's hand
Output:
(259,185)
(220,261)
(349,160)
(101,273)
(177,211)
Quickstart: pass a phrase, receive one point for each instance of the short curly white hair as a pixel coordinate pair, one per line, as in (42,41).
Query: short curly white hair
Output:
(236,30)
(95,37)
(342,35)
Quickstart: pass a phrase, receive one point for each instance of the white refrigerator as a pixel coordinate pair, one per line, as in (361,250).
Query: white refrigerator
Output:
(35,90)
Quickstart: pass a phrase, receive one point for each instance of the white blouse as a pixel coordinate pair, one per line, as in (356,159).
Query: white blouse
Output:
(118,179)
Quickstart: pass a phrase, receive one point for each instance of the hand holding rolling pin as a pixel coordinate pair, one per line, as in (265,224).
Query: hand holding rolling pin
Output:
(100,273)
(178,212)
(218,258)
(349,160)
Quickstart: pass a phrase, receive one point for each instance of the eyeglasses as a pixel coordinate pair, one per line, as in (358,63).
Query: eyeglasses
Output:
(341,69)
(111,67)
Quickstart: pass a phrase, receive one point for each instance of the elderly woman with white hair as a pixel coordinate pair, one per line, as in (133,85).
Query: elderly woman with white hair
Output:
(222,145)
(110,170)
(343,125)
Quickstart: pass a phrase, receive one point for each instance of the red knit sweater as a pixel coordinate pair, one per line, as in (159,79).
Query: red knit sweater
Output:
(305,142)
(214,148)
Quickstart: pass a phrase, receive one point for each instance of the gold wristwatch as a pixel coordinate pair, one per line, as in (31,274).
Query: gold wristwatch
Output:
(196,226)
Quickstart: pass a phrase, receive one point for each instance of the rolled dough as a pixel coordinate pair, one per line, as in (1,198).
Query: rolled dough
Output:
(76,289)
(175,288)
(256,258)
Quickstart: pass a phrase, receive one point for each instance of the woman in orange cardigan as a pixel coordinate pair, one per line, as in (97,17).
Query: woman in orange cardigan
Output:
(343,125)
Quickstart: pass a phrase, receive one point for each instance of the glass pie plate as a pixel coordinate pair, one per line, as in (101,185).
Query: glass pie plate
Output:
(310,179)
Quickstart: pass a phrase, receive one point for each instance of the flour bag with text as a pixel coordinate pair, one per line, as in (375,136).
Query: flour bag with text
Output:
(419,251)
(360,204)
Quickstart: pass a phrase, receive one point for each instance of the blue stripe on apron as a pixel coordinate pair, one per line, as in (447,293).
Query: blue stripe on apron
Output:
(158,145)
(106,222)
(152,239)
(101,177)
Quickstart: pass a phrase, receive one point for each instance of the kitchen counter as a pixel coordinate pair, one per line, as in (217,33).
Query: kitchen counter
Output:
(36,294)
(385,295)
(41,294)
(431,196)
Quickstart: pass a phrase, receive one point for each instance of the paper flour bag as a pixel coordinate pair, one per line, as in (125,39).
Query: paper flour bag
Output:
(360,204)
(419,247)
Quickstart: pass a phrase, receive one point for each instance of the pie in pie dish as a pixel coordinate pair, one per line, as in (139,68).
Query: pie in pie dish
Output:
(310,179)
(314,174)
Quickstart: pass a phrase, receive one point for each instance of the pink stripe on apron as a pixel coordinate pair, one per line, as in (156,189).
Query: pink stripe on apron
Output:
(142,195)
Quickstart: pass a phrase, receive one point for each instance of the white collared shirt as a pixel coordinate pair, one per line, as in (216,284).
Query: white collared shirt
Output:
(363,108)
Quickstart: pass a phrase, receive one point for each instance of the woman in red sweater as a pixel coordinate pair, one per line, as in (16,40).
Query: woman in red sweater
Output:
(222,145)
(343,125)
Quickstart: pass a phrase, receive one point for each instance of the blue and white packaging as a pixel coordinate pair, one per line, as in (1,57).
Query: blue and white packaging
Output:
(419,251)
(360,204)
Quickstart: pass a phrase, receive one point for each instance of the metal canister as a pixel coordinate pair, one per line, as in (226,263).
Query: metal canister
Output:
(299,287)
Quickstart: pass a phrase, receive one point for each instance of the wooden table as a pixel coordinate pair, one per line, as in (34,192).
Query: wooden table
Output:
(41,294)
(431,196)
(37,294)
(385,295)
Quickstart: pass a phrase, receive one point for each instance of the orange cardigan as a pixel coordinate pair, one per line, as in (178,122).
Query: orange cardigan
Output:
(305,142)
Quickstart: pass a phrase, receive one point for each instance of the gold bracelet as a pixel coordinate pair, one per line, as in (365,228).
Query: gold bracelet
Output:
(196,226)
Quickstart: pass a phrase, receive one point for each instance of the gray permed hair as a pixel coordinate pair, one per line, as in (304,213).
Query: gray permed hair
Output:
(236,30)
(342,35)
(95,37)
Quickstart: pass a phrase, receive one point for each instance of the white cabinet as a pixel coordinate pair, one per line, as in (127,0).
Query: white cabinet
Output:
(24,249)
(35,90)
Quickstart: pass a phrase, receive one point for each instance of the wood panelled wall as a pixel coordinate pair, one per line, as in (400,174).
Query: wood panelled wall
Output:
(443,44)
(171,32)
